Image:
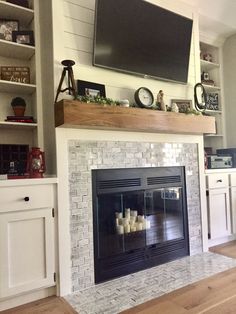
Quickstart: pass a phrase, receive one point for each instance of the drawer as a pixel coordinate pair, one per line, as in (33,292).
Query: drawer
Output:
(217,180)
(233,179)
(26,197)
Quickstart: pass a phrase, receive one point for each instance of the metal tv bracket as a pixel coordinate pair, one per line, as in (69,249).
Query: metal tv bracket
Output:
(71,81)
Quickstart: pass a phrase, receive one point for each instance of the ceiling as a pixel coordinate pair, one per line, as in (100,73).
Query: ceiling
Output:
(216,16)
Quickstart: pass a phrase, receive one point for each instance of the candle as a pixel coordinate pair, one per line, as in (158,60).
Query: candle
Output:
(139,226)
(127,215)
(125,221)
(140,218)
(132,228)
(133,213)
(127,228)
(118,215)
(132,220)
(120,229)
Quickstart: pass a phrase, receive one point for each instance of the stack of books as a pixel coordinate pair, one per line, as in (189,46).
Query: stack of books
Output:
(24,119)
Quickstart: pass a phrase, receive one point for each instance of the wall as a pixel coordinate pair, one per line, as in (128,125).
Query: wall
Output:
(73,39)
(229,87)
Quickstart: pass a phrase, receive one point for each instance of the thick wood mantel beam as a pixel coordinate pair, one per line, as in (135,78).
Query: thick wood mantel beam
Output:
(74,114)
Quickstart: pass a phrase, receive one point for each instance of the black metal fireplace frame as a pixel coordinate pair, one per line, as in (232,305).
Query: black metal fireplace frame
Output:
(106,181)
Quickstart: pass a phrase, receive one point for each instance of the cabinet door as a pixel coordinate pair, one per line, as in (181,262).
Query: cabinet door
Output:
(26,251)
(233,208)
(219,213)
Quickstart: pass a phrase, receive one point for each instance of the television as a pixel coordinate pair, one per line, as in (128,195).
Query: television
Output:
(137,37)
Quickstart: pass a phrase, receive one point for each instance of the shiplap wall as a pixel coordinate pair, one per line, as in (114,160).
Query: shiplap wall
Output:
(76,43)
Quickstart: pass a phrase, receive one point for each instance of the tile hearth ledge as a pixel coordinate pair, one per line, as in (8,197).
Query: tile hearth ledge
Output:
(75,114)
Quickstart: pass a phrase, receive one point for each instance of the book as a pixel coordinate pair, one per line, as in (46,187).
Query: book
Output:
(25,119)
(19,117)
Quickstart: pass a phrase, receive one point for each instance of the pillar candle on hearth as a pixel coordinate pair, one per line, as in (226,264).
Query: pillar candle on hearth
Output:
(127,228)
(120,229)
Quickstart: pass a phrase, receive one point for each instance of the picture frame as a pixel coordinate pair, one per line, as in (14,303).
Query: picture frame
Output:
(183,104)
(7,27)
(23,37)
(85,88)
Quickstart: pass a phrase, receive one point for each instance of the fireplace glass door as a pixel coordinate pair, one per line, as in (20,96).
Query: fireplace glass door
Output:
(132,220)
(140,219)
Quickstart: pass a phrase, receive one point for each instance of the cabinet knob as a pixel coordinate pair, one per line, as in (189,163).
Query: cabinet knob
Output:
(219,180)
(26,199)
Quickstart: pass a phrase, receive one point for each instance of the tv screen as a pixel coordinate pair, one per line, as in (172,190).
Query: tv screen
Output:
(138,37)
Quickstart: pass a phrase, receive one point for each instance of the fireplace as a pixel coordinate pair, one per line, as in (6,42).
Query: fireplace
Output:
(140,219)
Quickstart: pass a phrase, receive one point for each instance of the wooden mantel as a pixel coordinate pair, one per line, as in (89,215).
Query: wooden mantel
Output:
(74,114)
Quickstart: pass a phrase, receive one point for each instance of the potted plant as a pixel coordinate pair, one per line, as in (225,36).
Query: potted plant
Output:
(18,105)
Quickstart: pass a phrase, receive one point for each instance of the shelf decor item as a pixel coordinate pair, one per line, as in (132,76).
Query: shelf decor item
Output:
(90,89)
(71,88)
(36,163)
(144,97)
(7,27)
(18,105)
(184,105)
(212,102)
(23,37)
(15,74)
(200,97)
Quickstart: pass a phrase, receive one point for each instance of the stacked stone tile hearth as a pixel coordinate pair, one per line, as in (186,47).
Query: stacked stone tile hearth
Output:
(87,155)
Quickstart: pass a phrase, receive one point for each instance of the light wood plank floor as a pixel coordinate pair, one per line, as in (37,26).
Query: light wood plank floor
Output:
(214,295)
(50,305)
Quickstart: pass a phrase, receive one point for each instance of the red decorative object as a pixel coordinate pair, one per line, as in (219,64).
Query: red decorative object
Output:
(36,163)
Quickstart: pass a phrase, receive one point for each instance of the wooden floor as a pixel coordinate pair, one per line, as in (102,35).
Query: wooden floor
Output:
(50,305)
(214,295)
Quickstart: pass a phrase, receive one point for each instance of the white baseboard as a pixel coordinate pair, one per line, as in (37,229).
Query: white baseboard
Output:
(26,298)
(221,240)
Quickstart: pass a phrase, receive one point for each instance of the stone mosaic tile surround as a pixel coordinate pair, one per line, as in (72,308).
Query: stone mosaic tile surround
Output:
(120,294)
(84,156)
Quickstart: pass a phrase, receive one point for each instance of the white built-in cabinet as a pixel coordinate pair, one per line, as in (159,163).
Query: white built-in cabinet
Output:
(39,93)
(211,65)
(27,236)
(219,223)
(221,205)
(233,201)
(15,54)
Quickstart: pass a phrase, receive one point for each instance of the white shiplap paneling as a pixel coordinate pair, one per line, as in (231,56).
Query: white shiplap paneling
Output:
(78,46)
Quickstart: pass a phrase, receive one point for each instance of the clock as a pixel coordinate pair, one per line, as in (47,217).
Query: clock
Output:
(144,97)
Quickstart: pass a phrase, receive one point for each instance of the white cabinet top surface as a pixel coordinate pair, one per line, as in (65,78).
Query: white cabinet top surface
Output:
(22,182)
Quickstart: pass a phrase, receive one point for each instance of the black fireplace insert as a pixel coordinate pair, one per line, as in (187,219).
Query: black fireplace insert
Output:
(140,219)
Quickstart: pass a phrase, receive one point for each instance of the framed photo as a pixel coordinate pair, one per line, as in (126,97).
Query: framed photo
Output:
(23,37)
(90,89)
(7,27)
(182,104)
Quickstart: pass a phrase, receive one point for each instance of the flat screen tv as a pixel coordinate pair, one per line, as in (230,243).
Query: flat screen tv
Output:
(137,37)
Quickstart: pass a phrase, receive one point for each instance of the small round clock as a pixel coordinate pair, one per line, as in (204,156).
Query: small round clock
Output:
(144,97)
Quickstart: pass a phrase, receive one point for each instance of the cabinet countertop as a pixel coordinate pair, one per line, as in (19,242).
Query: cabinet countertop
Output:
(22,182)
(226,170)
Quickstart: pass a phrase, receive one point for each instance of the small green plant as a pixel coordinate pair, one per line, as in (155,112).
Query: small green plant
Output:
(98,99)
(18,102)
(193,111)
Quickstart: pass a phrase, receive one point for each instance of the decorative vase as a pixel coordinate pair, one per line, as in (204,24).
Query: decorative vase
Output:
(18,110)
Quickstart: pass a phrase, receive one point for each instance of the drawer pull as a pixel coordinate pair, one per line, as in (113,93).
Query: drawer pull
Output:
(26,199)
(219,180)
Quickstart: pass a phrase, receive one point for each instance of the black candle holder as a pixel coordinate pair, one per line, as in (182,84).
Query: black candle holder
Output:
(70,79)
